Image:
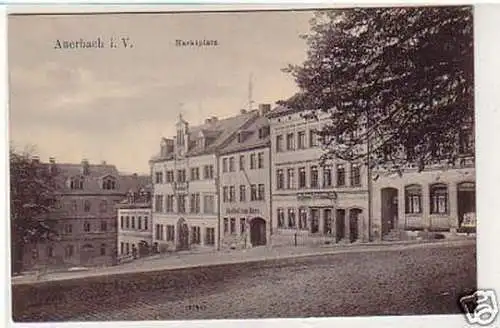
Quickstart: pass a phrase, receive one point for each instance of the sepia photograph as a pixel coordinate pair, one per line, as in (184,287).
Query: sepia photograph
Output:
(198,165)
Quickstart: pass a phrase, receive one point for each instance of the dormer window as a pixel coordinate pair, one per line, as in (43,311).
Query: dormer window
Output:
(76,183)
(108,183)
(264,132)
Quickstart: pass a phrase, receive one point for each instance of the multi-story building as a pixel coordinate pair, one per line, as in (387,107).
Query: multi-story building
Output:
(186,185)
(245,184)
(85,216)
(135,228)
(312,202)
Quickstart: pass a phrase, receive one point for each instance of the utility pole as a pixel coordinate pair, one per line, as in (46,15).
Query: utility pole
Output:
(250,92)
(369,173)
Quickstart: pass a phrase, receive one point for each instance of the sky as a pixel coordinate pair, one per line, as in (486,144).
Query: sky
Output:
(115,104)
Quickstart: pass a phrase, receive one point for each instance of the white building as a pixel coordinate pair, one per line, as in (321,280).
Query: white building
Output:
(135,226)
(185,184)
(244,170)
(310,203)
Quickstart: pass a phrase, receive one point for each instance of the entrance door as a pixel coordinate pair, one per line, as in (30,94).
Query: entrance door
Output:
(389,209)
(466,200)
(340,224)
(354,224)
(258,232)
(183,229)
(86,254)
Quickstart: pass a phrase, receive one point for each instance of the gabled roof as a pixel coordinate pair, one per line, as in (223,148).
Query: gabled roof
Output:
(251,140)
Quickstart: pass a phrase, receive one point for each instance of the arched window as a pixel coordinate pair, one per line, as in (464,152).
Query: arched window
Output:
(413,199)
(108,184)
(86,206)
(439,198)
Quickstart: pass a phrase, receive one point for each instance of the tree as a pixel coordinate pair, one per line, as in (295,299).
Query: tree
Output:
(32,199)
(397,79)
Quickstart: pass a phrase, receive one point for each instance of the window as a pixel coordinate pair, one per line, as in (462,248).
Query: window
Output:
(243,195)
(289,142)
(208,203)
(76,183)
(169,206)
(261,192)
(145,223)
(181,175)
(208,172)
(280,183)
(159,177)
(302,177)
(439,199)
(68,228)
(110,184)
(104,226)
(195,174)
(122,222)
(122,247)
(139,222)
(103,249)
(243,225)
(232,194)
(103,206)
(69,251)
(127,246)
(195,203)
(181,203)
(224,164)
(195,235)
(158,203)
(290,178)
(327,176)
(301,140)
(253,163)
(74,205)
(127,222)
(340,175)
(158,232)
(170,232)
(233,226)
(355,175)
(253,192)
(170,176)
(231,164)
(327,221)
(210,236)
(303,219)
(50,251)
(291,218)
(260,160)
(86,226)
(226,225)
(313,139)
(225,194)
(133,222)
(314,220)
(86,206)
(413,199)
(281,218)
(242,162)
(314,177)
(279,143)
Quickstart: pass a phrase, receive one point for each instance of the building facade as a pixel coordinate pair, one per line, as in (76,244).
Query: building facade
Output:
(186,184)
(135,228)
(312,203)
(245,186)
(85,216)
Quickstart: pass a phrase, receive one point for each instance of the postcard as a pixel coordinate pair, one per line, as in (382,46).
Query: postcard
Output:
(244,164)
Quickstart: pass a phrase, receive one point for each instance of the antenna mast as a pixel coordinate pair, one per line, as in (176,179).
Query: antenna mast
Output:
(250,91)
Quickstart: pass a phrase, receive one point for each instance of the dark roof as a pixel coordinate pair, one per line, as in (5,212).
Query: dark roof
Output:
(251,137)
(297,103)
(92,181)
(218,132)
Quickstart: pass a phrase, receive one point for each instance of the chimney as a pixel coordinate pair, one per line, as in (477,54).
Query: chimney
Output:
(52,160)
(208,121)
(85,167)
(103,163)
(214,119)
(35,159)
(264,109)
(243,111)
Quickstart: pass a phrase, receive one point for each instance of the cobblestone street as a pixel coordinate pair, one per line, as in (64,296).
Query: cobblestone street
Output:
(409,281)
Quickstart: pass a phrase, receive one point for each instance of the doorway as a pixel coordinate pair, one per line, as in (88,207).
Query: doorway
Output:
(354,224)
(389,209)
(340,224)
(183,229)
(258,232)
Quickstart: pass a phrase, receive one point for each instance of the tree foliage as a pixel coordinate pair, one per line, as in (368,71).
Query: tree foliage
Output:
(400,78)
(32,200)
